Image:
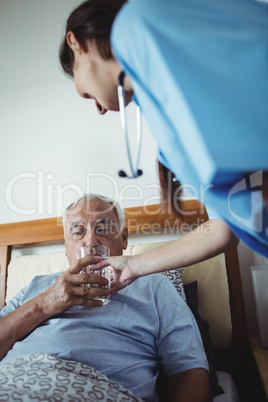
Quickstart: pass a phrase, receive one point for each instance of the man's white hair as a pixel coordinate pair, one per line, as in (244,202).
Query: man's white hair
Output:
(92,196)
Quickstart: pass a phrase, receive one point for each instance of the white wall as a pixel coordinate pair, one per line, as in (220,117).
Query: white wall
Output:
(53,143)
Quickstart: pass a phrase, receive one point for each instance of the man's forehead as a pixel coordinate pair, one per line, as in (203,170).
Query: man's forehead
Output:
(91,210)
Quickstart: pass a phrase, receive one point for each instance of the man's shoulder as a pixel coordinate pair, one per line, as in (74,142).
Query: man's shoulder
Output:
(154,279)
(46,278)
(38,284)
(156,282)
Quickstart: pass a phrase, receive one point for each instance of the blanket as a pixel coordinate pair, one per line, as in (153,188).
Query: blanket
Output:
(43,377)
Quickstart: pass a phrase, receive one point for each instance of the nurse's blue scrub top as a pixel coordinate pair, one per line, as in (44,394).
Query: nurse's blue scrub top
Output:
(199,70)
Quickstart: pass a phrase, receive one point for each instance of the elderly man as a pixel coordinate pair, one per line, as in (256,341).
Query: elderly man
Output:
(145,327)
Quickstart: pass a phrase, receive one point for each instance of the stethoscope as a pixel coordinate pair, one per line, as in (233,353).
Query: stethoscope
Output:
(121,98)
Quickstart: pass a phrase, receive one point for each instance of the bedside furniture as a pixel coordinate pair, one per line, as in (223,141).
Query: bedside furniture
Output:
(261,358)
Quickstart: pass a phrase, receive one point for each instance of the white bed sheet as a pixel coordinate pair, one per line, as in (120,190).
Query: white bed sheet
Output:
(229,387)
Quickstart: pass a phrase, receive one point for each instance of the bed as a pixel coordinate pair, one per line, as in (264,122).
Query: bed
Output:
(220,297)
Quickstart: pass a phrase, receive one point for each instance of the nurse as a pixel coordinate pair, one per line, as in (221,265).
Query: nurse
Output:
(198,71)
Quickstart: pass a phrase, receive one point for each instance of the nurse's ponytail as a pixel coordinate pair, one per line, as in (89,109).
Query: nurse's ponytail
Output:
(171,189)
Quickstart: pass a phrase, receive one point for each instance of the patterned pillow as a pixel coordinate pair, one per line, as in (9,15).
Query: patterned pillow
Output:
(175,276)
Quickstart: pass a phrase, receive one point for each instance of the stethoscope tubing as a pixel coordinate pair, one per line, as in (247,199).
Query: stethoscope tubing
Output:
(122,106)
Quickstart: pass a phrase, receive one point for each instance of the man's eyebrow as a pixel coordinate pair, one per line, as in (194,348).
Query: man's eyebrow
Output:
(75,224)
(103,220)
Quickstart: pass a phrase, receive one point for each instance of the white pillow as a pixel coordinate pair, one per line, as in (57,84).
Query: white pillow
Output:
(21,270)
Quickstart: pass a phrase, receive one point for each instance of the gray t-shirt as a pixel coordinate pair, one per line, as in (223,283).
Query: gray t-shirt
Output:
(144,325)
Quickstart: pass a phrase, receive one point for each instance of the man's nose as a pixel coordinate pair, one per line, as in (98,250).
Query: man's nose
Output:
(91,238)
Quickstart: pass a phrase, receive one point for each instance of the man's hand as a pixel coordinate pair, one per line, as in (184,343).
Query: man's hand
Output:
(69,289)
(66,292)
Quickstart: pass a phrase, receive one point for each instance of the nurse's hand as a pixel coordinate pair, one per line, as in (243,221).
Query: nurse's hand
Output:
(125,271)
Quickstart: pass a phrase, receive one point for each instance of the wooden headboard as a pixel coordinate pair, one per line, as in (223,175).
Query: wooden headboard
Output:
(141,220)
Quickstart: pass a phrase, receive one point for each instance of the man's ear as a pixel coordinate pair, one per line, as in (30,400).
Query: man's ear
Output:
(125,237)
(73,42)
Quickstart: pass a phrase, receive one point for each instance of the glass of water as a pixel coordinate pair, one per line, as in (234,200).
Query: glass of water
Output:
(103,252)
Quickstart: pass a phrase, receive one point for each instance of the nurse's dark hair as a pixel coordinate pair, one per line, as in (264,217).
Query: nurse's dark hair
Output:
(171,189)
(92,20)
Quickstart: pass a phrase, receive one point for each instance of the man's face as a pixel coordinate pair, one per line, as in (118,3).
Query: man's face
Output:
(93,222)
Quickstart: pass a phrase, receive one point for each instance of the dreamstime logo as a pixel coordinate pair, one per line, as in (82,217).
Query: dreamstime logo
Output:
(245,197)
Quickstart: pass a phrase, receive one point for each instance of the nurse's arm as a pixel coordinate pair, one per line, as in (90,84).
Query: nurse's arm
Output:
(207,240)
